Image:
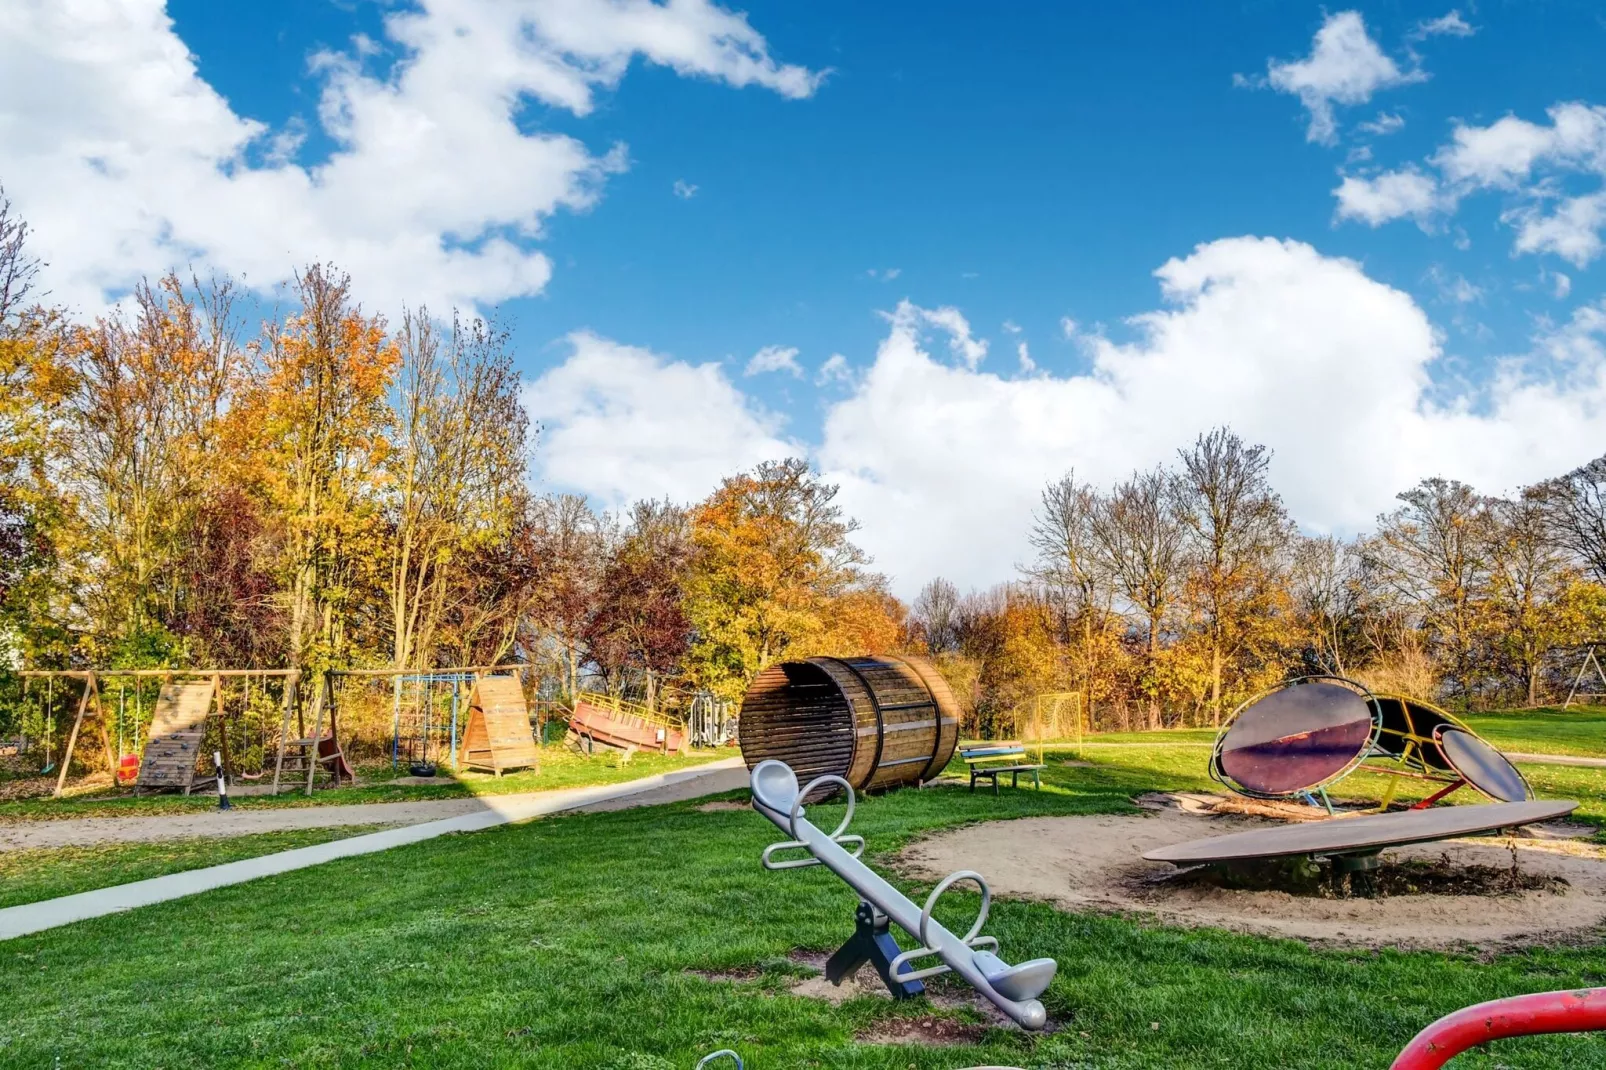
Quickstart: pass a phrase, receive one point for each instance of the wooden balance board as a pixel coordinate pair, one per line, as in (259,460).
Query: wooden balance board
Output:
(1360,835)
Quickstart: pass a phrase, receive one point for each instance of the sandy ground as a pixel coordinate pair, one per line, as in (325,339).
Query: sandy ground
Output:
(238,822)
(1083,863)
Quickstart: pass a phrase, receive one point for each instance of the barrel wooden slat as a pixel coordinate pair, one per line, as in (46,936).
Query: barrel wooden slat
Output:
(877,721)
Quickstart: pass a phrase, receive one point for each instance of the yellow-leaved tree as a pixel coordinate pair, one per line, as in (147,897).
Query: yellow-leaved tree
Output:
(773,551)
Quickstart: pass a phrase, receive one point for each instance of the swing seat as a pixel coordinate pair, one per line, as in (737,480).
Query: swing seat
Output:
(128,768)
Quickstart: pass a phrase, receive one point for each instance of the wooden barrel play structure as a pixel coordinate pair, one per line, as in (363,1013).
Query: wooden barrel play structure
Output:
(876,721)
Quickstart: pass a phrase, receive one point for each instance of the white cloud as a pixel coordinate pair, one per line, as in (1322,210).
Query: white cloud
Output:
(1447,25)
(943,464)
(1507,150)
(1027,364)
(1345,66)
(1572,231)
(620,423)
(1510,154)
(834,370)
(126,161)
(684,190)
(1385,124)
(886,275)
(1068,328)
(912,318)
(774,359)
(1561,285)
(1011,327)
(1390,195)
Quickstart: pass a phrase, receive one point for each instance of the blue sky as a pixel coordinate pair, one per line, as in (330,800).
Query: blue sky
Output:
(1024,162)
(1009,165)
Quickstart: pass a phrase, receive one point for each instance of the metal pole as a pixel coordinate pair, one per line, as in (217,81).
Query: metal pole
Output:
(395,722)
(1578,679)
(457,686)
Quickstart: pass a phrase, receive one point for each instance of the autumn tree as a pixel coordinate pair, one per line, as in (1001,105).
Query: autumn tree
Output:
(1140,541)
(1324,587)
(933,613)
(640,624)
(34,382)
(773,550)
(568,546)
(1235,525)
(1529,578)
(454,470)
(315,419)
(1076,575)
(1429,553)
(151,387)
(1576,507)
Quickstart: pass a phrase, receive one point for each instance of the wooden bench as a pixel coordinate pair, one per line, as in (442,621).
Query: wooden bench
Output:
(990,760)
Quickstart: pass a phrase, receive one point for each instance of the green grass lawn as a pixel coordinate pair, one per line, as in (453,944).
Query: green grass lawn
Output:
(570,942)
(561,767)
(47,872)
(1547,730)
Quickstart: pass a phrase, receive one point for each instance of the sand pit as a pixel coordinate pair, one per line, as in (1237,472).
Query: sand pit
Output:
(1095,863)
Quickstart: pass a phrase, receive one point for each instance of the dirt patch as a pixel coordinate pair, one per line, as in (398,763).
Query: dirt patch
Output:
(942,992)
(720,806)
(927,1031)
(1458,900)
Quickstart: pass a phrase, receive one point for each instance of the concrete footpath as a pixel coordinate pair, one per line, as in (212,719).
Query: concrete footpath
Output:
(490,811)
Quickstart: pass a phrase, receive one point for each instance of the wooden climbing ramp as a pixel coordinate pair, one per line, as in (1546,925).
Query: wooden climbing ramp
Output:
(498,736)
(177,725)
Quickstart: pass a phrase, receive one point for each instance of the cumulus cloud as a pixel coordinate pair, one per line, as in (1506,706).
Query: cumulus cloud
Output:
(1345,66)
(1515,156)
(943,464)
(1388,196)
(684,190)
(126,161)
(620,423)
(1027,364)
(774,359)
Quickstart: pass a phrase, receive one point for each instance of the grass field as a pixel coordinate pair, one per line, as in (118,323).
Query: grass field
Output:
(571,942)
(561,767)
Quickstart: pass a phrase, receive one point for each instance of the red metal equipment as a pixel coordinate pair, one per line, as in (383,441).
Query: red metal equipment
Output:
(1574,1011)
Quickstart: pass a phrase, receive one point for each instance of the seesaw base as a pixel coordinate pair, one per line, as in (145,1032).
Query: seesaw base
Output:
(872,943)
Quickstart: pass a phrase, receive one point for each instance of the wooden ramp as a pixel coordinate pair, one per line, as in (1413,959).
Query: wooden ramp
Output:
(622,729)
(498,736)
(177,724)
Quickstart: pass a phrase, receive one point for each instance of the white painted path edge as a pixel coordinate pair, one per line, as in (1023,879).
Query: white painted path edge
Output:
(36,917)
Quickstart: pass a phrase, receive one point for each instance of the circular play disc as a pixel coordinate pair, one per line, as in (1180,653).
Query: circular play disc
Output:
(1350,835)
(1481,765)
(1295,739)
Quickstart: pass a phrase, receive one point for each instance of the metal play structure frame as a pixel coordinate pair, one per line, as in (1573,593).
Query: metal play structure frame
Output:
(1590,659)
(422,707)
(1012,989)
(1406,741)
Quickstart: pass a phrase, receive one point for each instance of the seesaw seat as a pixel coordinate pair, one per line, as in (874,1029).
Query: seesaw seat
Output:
(1025,981)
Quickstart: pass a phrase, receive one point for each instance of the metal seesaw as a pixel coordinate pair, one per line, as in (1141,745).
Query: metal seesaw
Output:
(1012,989)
